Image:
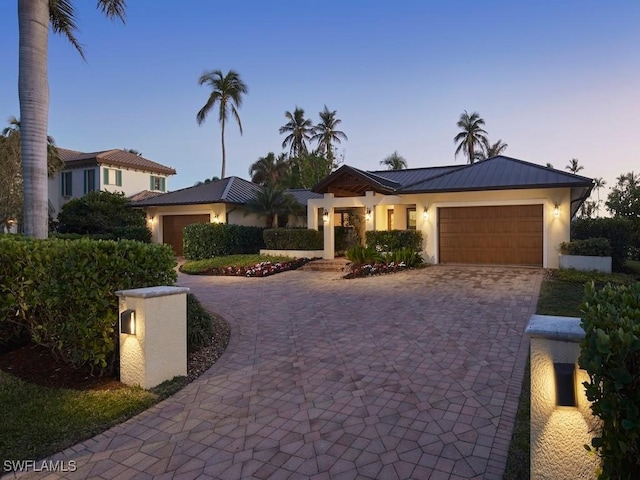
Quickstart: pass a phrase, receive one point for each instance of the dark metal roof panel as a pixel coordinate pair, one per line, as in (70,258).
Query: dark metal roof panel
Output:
(303,195)
(240,191)
(212,192)
(414,175)
(499,173)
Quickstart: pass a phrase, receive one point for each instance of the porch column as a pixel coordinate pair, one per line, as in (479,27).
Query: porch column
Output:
(312,217)
(329,234)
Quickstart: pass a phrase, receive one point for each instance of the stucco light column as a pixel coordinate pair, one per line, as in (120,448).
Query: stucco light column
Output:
(157,349)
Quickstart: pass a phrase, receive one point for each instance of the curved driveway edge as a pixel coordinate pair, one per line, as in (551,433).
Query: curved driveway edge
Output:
(411,375)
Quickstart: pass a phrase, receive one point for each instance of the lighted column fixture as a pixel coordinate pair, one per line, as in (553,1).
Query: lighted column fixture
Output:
(425,213)
(556,210)
(367,215)
(325,216)
(128,322)
(565,384)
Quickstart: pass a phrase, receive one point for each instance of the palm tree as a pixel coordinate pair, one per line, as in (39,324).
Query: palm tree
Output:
(270,202)
(34,18)
(325,132)
(269,170)
(54,161)
(490,150)
(227,90)
(395,161)
(299,131)
(471,135)
(549,165)
(573,166)
(598,183)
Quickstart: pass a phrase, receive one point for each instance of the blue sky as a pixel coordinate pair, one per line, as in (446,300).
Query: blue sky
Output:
(555,80)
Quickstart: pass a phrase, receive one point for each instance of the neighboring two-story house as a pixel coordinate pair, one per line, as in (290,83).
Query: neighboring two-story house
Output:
(111,170)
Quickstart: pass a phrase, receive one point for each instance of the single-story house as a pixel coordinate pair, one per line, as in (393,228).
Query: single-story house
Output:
(220,201)
(497,211)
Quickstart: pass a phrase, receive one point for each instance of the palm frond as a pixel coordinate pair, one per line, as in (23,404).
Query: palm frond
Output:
(62,16)
(113,8)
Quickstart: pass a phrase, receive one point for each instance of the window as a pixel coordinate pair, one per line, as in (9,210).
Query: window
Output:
(89,181)
(390,219)
(111,176)
(67,188)
(158,184)
(411,218)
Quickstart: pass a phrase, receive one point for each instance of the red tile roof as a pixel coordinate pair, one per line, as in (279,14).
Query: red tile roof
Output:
(115,157)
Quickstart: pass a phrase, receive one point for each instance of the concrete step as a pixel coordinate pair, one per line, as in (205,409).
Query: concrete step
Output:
(332,265)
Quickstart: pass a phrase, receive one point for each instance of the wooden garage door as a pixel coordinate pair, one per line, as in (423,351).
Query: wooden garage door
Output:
(505,235)
(172,226)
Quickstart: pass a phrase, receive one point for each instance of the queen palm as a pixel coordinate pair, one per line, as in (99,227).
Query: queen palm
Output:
(574,166)
(34,18)
(325,132)
(269,170)
(227,91)
(270,202)
(298,130)
(471,136)
(395,161)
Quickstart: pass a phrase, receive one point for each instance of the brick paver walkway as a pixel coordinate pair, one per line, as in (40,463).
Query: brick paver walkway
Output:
(413,375)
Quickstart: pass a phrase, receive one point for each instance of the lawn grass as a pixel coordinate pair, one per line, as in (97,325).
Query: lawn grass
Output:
(633,265)
(199,266)
(39,421)
(561,294)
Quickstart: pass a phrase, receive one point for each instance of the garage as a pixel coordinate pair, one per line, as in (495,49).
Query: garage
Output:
(173,225)
(504,235)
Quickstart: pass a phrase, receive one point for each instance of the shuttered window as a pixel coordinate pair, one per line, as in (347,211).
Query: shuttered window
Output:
(158,184)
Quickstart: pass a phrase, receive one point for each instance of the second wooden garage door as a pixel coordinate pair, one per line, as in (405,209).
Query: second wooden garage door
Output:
(172,226)
(504,235)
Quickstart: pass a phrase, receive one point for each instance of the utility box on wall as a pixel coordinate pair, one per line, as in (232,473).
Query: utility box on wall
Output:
(153,335)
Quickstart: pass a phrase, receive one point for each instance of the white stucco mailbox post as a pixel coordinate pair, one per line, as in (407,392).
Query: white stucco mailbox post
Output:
(155,350)
(561,418)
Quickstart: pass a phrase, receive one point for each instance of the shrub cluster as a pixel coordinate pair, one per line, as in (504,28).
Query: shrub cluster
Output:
(208,240)
(139,233)
(199,324)
(293,239)
(610,353)
(63,292)
(593,247)
(619,232)
(392,240)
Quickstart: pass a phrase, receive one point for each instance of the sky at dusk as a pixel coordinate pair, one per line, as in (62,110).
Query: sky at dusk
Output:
(554,80)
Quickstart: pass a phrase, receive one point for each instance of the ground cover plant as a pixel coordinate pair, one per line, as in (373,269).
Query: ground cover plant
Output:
(367,261)
(48,406)
(562,293)
(243,265)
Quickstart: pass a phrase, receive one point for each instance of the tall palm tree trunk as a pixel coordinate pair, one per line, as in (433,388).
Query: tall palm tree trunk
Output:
(33,91)
(224,152)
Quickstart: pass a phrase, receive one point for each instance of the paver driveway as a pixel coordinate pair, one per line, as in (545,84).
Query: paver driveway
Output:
(412,375)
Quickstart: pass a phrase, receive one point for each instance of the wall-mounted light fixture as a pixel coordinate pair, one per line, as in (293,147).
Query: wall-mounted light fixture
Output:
(367,215)
(425,213)
(556,210)
(325,216)
(216,218)
(150,218)
(128,322)
(565,384)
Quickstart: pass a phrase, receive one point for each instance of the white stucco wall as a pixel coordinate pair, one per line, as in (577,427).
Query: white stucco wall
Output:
(556,229)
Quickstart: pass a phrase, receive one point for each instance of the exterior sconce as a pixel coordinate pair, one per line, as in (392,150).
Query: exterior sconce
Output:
(368,215)
(150,218)
(216,218)
(425,213)
(128,322)
(556,211)
(11,222)
(325,216)
(565,384)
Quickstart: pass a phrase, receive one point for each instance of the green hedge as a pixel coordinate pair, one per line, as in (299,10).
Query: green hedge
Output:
(619,232)
(139,233)
(208,240)
(610,353)
(293,239)
(63,292)
(392,240)
(592,247)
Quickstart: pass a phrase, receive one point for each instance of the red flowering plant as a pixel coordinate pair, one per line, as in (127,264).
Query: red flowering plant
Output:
(262,269)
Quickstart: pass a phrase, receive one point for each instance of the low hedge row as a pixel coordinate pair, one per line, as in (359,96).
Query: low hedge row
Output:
(610,353)
(619,232)
(141,234)
(393,240)
(293,239)
(208,240)
(594,247)
(63,292)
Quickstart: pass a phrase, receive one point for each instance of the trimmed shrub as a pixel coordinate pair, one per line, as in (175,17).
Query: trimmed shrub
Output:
(63,292)
(208,240)
(619,232)
(404,256)
(199,324)
(392,240)
(293,239)
(610,353)
(591,247)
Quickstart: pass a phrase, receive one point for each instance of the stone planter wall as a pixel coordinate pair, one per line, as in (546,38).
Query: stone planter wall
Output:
(581,262)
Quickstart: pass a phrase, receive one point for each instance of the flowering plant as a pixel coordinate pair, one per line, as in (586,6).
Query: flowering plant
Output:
(369,269)
(262,269)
